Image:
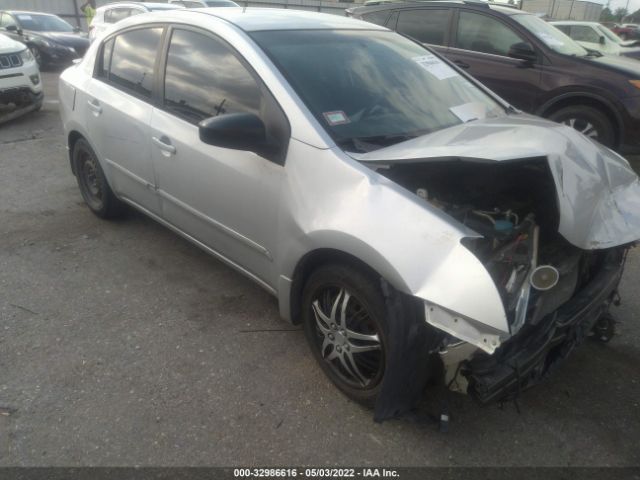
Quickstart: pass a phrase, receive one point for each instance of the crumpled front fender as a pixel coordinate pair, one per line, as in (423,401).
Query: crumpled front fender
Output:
(413,245)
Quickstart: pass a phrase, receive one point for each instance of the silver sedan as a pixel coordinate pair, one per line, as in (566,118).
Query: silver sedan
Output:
(421,229)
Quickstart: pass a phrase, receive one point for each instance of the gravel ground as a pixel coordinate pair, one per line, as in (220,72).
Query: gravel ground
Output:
(122,344)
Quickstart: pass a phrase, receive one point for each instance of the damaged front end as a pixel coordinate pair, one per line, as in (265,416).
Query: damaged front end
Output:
(553,229)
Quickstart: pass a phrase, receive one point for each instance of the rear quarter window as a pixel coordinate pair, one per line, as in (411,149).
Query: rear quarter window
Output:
(379,18)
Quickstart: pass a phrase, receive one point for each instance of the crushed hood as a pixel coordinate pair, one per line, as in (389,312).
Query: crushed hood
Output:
(598,194)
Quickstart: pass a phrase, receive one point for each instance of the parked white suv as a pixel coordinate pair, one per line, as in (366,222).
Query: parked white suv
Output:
(114,12)
(20,83)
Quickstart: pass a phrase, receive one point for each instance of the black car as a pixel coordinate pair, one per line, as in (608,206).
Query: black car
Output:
(51,40)
(528,62)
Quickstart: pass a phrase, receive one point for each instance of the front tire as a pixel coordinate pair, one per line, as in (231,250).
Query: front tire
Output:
(93,184)
(344,319)
(587,120)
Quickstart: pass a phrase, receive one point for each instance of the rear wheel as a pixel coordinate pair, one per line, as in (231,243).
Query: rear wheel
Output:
(93,184)
(587,120)
(345,325)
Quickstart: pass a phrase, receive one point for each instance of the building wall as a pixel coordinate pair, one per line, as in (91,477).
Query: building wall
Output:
(564,9)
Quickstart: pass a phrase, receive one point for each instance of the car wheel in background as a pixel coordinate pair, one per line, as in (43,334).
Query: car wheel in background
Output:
(93,184)
(344,322)
(587,120)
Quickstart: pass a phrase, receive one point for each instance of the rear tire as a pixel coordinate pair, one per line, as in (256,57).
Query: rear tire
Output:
(93,184)
(589,121)
(344,320)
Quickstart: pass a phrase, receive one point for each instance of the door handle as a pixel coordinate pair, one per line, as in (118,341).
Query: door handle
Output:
(461,64)
(163,143)
(94,105)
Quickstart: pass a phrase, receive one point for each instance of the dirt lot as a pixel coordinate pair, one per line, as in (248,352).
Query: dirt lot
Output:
(122,344)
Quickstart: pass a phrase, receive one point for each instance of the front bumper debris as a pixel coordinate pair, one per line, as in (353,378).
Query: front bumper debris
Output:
(16,102)
(529,357)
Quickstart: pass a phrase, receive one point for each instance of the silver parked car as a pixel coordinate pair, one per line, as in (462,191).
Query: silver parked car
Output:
(419,227)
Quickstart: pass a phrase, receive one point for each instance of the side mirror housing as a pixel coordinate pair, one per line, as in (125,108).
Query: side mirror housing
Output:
(14,29)
(238,131)
(523,51)
(602,40)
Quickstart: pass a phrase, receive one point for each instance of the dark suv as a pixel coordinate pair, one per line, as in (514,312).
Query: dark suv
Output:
(528,62)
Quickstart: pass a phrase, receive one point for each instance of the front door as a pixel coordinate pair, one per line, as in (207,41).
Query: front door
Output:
(226,199)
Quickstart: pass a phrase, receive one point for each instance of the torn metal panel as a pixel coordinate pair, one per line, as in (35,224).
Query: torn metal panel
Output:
(473,332)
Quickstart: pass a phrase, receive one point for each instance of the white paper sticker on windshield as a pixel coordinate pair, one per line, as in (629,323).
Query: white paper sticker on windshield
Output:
(469,111)
(435,66)
(549,40)
(337,117)
(25,17)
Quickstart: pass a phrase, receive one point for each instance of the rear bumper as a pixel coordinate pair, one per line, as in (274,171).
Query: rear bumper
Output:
(532,354)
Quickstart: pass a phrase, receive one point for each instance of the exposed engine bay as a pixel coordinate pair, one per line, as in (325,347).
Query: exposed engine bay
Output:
(513,205)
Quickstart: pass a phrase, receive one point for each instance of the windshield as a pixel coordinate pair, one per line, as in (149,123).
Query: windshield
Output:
(371,89)
(609,34)
(43,23)
(550,35)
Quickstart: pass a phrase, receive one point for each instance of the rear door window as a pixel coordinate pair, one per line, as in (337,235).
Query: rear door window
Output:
(425,25)
(133,60)
(379,18)
(482,33)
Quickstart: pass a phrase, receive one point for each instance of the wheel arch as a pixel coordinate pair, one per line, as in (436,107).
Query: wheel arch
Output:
(589,99)
(312,260)
(72,138)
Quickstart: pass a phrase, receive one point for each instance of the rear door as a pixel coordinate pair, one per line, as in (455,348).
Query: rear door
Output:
(480,44)
(117,104)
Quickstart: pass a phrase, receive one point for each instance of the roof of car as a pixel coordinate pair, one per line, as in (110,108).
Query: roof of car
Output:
(505,9)
(259,19)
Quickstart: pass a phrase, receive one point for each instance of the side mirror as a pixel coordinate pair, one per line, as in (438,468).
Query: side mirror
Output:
(76,29)
(14,29)
(238,131)
(601,40)
(523,51)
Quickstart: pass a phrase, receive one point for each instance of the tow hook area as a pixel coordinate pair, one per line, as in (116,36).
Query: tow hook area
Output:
(605,328)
